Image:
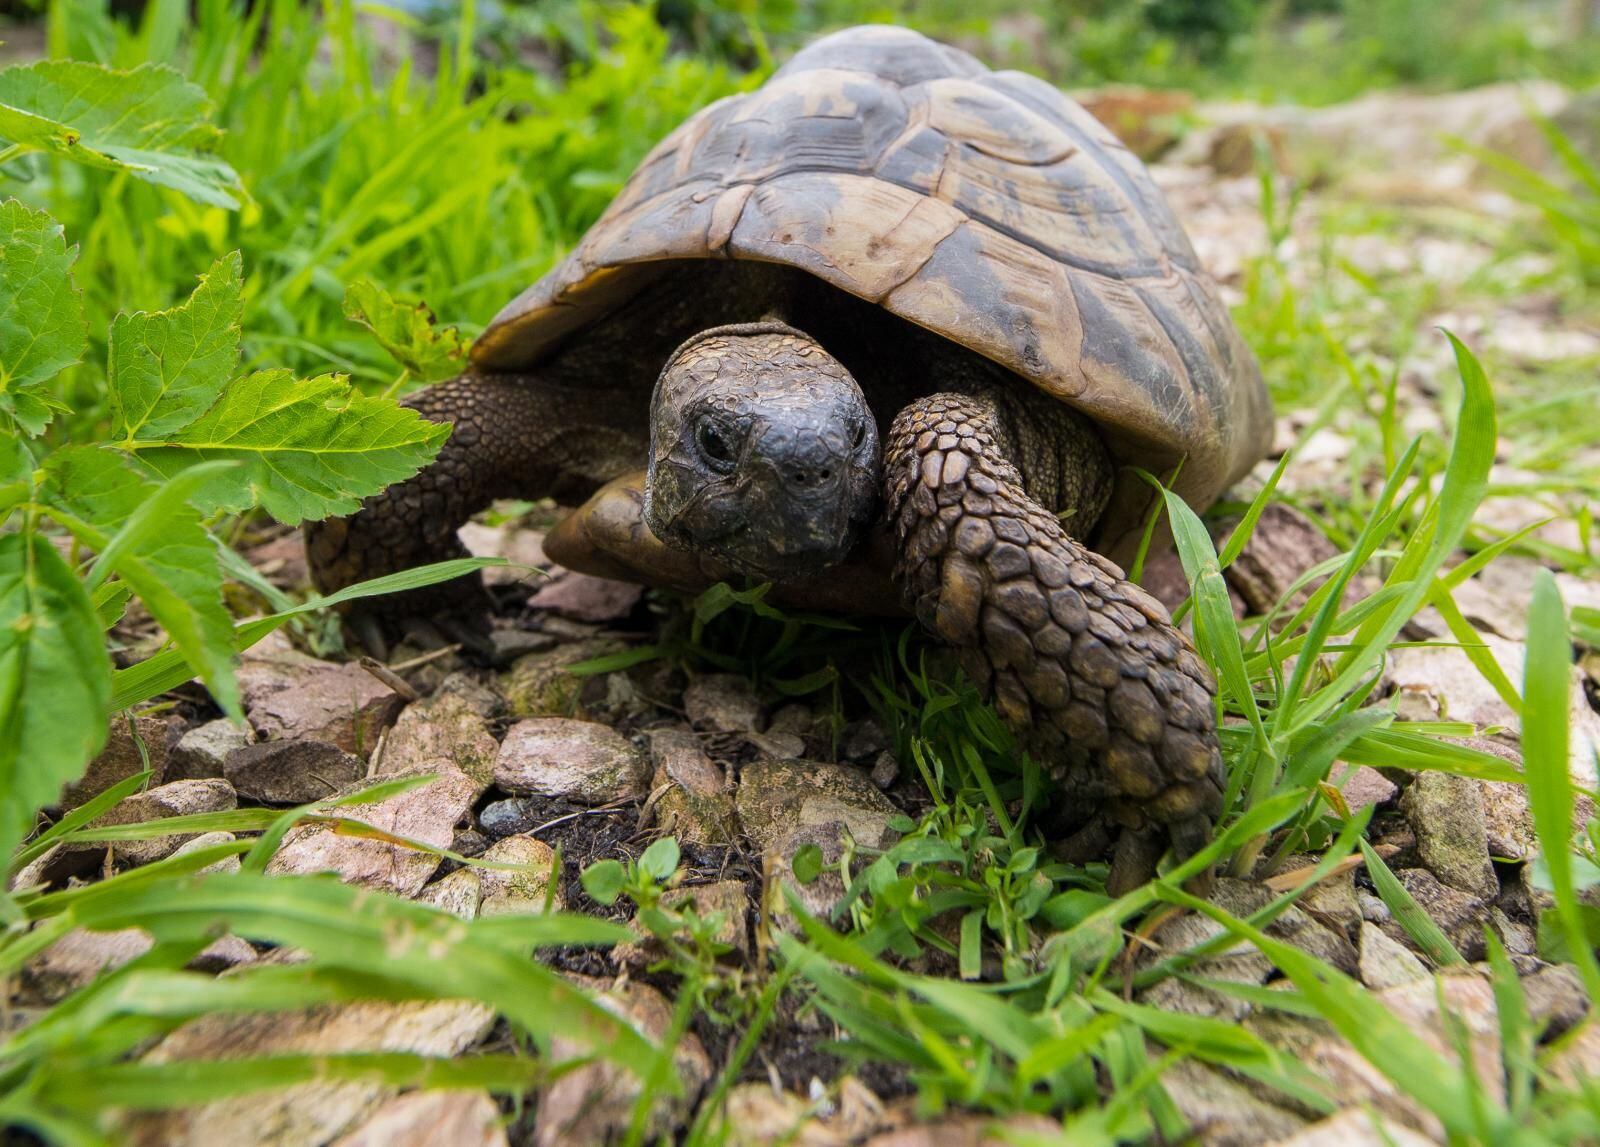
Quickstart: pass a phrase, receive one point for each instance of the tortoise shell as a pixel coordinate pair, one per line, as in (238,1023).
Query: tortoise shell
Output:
(984,206)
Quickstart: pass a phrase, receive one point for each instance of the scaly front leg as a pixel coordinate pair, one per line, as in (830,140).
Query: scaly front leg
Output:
(1086,667)
(512,437)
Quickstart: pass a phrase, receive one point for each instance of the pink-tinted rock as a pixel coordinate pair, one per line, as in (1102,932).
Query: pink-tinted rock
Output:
(432,1119)
(579,760)
(584,598)
(121,759)
(289,696)
(427,814)
(292,772)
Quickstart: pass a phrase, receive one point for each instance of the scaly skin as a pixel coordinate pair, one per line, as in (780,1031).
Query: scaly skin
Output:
(1085,666)
(513,437)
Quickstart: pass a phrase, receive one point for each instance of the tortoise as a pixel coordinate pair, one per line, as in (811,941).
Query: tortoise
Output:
(891,332)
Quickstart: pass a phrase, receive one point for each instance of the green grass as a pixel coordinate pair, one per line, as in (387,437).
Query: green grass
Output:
(963,955)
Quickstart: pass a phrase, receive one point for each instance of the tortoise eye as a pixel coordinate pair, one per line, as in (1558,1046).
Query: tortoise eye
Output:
(714,446)
(859,436)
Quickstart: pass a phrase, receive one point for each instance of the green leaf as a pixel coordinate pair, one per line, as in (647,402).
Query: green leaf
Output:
(55,680)
(309,449)
(807,863)
(1407,912)
(1546,736)
(165,368)
(660,860)
(603,881)
(150,123)
(158,545)
(407,331)
(42,330)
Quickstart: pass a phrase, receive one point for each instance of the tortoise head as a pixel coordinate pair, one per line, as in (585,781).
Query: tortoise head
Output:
(763,452)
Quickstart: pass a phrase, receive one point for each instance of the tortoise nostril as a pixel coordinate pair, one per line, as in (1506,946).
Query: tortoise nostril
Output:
(824,475)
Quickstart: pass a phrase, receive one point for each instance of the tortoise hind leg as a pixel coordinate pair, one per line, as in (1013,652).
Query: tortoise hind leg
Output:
(1086,667)
(512,437)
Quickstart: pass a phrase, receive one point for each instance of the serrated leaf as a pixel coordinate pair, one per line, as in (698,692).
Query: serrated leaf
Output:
(150,122)
(158,545)
(165,368)
(308,449)
(407,331)
(42,331)
(55,680)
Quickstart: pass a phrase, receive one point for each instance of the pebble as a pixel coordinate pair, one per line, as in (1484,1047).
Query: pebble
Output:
(292,772)
(581,761)
(201,752)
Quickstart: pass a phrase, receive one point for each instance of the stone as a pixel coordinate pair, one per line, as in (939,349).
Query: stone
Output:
(1386,963)
(78,958)
(584,598)
(460,893)
(594,1103)
(1446,813)
(1284,545)
(449,725)
(695,803)
(520,546)
(201,752)
(820,896)
(1460,915)
(206,840)
(292,772)
(1456,691)
(427,814)
(468,842)
(180,798)
(1556,999)
(289,696)
(310,1112)
(1239,963)
(432,1119)
(1508,821)
(723,703)
(53,867)
(220,955)
(775,797)
(538,684)
(508,644)
(1356,1127)
(509,817)
(1294,926)
(1416,1004)
(121,759)
(814,729)
(963,1130)
(1575,1062)
(1363,786)
(1519,939)
(1224,1112)
(581,761)
(754,1115)
(863,740)
(525,892)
